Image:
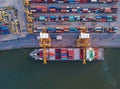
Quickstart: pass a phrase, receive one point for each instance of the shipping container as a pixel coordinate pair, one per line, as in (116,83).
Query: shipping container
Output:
(57,54)
(77,54)
(81,54)
(76,29)
(51,54)
(70,54)
(96,50)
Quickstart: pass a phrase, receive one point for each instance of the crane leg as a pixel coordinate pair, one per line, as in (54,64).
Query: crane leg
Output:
(84,55)
(45,60)
(84,61)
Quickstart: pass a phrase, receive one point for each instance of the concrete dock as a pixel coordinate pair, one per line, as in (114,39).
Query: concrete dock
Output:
(106,40)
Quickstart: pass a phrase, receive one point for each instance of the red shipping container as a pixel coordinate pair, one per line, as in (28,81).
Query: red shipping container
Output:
(52,10)
(96,53)
(71,54)
(81,53)
(84,1)
(103,20)
(78,0)
(50,1)
(63,11)
(58,57)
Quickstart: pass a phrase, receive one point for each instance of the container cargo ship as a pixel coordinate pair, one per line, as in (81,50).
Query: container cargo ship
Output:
(70,54)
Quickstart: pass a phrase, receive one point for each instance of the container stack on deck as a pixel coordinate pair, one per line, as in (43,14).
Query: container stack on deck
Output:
(52,54)
(57,54)
(71,54)
(64,54)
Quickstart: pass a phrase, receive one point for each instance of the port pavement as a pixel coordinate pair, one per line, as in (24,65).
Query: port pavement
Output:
(106,40)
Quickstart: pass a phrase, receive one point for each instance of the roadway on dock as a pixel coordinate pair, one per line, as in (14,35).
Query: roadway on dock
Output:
(30,41)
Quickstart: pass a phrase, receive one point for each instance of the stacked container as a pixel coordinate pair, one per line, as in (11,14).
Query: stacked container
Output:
(87,54)
(63,53)
(57,54)
(76,30)
(40,54)
(4,30)
(68,9)
(81,53)
(51,54)
(54,18)
(96,50)
(70,53)
(76,54)
(44,9)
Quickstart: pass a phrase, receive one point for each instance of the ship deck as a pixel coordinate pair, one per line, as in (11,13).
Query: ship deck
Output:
(100,54)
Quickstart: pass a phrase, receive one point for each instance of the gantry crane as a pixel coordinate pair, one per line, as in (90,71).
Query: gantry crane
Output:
(30,25)
(15,27)
(28,13)
(0,17)
(45,41)
(30,20)
(3,14)
(26,3)
(83,41)
(28,16)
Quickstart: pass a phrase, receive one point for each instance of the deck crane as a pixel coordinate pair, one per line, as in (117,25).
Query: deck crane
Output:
(45,41)
(83,41)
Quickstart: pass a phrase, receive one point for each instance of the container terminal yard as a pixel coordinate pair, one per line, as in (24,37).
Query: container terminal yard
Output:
(69,25)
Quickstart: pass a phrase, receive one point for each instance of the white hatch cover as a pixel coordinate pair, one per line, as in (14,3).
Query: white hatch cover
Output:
(84,35)
(44,35)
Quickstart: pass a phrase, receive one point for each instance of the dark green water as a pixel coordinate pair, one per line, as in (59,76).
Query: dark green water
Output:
(19,71)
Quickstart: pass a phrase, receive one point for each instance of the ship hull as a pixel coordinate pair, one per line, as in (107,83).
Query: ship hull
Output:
(68,54)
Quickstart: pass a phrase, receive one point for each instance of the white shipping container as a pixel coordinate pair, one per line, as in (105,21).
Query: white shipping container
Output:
(93,0)
(77,54)
(44,35)
(60,1)
(52,51)
(84,35)
(59,37)
(33,10)
(87,55)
